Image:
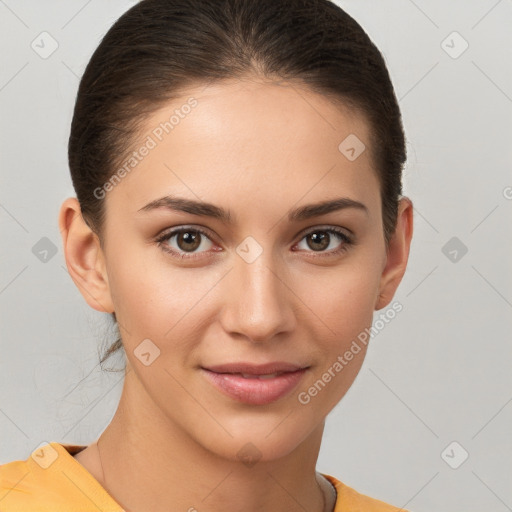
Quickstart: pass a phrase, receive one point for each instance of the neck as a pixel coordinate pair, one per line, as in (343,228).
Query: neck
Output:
(147,468)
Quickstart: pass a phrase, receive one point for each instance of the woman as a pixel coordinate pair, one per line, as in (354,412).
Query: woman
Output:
(267,136)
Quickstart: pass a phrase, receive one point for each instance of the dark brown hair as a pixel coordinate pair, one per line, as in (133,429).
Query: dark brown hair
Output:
(158,48)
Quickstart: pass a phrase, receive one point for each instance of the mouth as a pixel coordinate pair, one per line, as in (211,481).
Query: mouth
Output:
(262,377)
(255,384)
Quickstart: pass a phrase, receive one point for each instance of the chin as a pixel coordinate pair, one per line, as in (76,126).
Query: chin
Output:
(257,440)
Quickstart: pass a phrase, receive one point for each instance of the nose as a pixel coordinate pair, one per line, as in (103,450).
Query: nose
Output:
(259,303)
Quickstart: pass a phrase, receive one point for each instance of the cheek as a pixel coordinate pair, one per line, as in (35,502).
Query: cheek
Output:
(157,300)
(342,306)
(142,294)
(342,299)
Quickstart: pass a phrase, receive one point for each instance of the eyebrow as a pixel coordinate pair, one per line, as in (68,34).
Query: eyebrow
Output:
(205,209)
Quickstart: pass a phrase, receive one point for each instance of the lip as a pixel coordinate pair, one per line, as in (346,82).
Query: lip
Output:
(255,369)
(253,390)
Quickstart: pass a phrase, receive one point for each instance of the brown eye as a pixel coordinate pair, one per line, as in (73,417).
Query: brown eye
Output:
(185,240)
(188,240)
(319,240)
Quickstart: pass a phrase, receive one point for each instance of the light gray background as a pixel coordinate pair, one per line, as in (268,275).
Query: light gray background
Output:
(438,373)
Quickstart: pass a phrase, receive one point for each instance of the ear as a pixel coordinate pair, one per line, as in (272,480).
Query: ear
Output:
(397,254)
(84,257)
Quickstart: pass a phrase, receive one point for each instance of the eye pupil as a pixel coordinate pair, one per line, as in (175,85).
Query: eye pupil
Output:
(189,237)
(319,237)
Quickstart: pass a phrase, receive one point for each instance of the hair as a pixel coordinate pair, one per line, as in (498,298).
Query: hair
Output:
(158,48)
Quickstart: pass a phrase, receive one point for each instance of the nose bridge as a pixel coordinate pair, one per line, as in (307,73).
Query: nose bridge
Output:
(259,304)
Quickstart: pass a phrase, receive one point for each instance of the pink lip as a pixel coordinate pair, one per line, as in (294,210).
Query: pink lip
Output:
(228,379)
(255,369)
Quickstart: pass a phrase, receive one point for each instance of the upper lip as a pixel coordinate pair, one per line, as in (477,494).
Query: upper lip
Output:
(255,369)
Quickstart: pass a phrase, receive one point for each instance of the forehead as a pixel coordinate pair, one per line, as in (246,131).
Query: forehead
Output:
(254,139)
(245,107)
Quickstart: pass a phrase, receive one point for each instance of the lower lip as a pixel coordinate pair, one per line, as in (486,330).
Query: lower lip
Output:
(255,391)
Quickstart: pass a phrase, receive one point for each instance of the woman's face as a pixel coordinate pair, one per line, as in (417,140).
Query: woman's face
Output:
(273,283)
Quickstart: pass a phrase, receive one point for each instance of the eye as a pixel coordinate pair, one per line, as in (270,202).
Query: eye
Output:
(186,241)
(320,239)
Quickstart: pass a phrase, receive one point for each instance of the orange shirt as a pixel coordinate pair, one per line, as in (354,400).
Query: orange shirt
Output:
(51,480)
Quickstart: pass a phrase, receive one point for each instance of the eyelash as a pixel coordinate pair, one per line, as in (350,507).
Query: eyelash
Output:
(347,241)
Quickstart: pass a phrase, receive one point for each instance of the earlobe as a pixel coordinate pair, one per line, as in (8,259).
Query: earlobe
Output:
(84,257)
(397,255)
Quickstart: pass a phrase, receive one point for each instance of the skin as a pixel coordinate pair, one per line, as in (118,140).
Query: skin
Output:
(259,149)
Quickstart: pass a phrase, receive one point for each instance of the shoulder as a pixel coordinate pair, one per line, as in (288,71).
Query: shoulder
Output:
(350,499)
(22,488)
(50,480)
